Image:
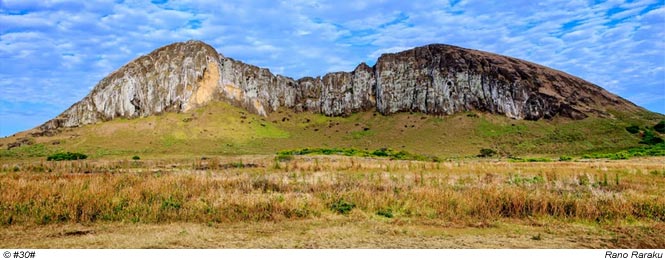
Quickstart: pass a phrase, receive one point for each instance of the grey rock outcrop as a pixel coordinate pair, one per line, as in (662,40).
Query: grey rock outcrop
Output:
(170,79)
(434,79)
(443,79)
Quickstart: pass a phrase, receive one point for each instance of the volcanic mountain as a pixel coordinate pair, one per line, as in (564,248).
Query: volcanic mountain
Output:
(186,99)
(435,79)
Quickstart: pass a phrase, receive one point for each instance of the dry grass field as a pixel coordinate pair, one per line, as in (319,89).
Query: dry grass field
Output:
(332,202)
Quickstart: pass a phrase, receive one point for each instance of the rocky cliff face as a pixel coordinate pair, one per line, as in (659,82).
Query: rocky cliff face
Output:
(433,79)
(443,79)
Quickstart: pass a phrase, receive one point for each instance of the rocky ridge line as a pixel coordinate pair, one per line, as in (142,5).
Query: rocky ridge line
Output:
(434,79)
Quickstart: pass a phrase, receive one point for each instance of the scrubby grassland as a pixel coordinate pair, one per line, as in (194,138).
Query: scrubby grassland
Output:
(222,129)
(332,201)
(219,176)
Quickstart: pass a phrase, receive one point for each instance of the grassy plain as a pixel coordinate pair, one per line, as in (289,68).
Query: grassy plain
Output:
(332,202)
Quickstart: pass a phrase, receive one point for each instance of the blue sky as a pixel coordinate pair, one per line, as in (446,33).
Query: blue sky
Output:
(53,52)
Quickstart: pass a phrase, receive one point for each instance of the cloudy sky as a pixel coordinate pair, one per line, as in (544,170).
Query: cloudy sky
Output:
(53,52)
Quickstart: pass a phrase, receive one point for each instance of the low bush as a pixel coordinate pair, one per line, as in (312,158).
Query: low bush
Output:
(66,156)
(651,150)
(485,152)
(342,206)
(660,127)
(650,138)
(388,213)
(382,152)
(565,158)
(633,129)
(536,159)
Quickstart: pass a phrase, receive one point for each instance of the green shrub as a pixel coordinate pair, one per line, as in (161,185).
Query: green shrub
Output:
(485,152)
(342,207)
(660,127)
(651,150)
(620,156)
(654,140)
(565,158)
(136,158)
(633,129)
(388,213)
(383,152)
(537,159)
(171,203)
(66,156)
(650,138)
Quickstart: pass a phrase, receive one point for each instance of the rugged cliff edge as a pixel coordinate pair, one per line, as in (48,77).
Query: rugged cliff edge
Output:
(434,79)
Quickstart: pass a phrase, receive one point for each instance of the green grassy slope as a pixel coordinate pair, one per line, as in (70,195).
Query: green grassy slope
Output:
(222,129)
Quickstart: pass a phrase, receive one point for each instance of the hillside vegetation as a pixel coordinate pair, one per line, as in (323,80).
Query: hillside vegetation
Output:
(222,129)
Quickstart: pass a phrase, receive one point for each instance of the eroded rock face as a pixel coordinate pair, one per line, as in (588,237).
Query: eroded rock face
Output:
(443,79)
(175,78)
(433,79)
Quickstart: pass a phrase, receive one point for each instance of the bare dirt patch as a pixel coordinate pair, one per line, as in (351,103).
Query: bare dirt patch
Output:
(330,232)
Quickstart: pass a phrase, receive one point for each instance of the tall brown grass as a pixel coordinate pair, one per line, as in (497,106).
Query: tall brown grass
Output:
(308,187)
